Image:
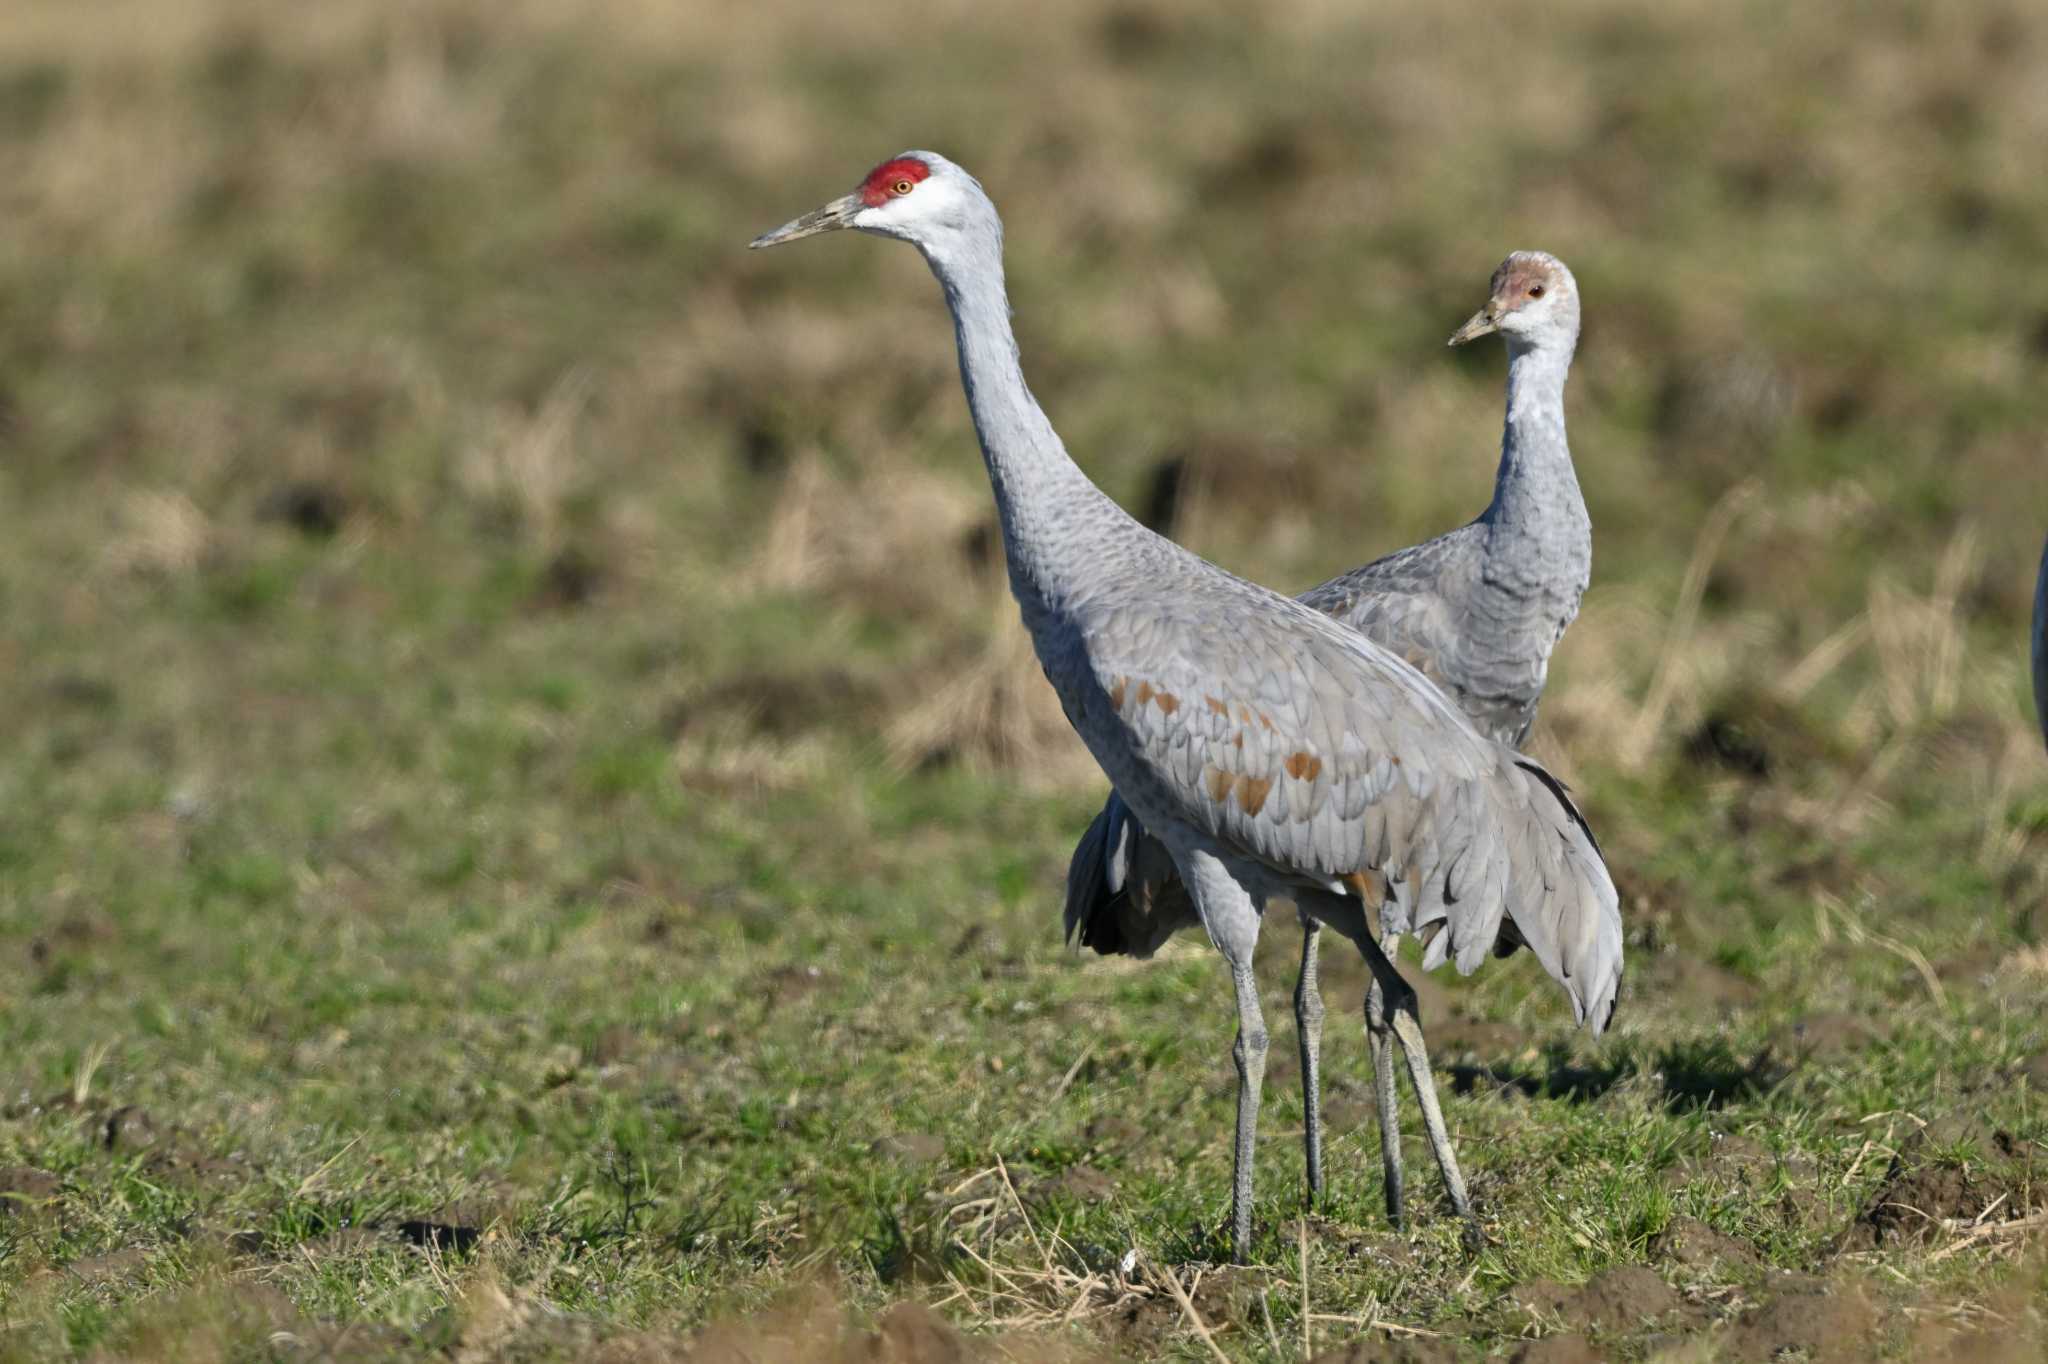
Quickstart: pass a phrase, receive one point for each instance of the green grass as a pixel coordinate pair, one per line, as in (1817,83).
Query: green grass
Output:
(516,726)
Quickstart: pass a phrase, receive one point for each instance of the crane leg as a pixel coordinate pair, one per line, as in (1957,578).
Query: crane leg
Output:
(1401,1016)
(1308,1018)
(1250,1055)
(1231,916)
(1386,1094)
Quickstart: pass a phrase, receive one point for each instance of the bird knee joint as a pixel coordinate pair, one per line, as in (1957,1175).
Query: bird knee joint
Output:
(1251,1046)
(1398,999)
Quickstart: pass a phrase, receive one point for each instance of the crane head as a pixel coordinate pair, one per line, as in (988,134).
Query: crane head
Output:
(1533,299)
(911,195)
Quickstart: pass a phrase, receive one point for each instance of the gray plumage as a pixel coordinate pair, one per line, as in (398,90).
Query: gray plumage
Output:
(2041,644)
(1272,750)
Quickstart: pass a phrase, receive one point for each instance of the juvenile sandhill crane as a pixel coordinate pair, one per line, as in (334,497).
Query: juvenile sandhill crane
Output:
(1477,611)
(1274,752)
(2041,644)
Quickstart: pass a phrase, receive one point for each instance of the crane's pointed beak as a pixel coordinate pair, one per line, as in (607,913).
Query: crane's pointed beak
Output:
(1482,323)
(837,214)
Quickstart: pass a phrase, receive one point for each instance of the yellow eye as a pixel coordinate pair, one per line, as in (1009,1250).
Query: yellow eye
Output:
(902,187)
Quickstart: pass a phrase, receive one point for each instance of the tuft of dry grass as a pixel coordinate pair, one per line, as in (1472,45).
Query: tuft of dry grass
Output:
(161,532)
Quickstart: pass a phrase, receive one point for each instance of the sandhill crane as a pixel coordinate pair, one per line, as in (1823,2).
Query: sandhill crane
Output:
(1275,752)
(2041,645)
(1477,610)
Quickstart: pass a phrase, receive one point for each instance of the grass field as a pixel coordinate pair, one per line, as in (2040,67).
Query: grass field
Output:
(529,828)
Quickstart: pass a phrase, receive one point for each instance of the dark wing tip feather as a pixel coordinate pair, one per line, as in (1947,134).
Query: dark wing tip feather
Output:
(1563,794)
(1093,917)
(1085,882)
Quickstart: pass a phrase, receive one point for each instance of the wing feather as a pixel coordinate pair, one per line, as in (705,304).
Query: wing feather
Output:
(1305,706)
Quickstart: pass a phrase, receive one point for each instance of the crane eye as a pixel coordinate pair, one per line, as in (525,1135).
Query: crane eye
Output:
(903,186)
(1535,291)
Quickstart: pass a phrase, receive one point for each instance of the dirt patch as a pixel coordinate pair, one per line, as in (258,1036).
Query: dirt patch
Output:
(1622,1297)
(1815,1322)
(1228,1296)
(1617,1299)
(1945,1178)
(1911,1206)
(1691,1244)
(911,1333)
(1541,1297)
(28,1192)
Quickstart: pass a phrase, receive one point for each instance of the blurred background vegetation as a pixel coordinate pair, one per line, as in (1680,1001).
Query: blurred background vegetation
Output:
(516,724)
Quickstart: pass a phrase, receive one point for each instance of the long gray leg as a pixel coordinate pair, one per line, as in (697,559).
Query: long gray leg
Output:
(1250,1055)
(1386,1095)
(1231,916)
(1402,1017)
(1308,1019)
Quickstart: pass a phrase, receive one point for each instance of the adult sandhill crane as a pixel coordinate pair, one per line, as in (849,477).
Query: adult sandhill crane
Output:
(2041,645)
(1477,610)
(1273,751)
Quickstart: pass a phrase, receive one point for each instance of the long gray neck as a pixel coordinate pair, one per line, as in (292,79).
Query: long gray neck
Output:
(1537,513)
(1043,499)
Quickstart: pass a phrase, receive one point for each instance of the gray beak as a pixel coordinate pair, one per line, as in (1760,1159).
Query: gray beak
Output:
(837,214)
(1482,323)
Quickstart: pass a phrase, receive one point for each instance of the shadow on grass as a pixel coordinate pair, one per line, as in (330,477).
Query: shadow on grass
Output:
(903,1251)
(1692,1075)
